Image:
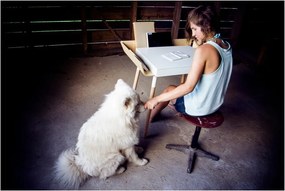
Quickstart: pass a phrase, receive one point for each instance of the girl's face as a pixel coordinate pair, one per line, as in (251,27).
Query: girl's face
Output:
(197,33)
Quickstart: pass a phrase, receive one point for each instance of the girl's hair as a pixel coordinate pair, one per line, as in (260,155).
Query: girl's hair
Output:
(204,17)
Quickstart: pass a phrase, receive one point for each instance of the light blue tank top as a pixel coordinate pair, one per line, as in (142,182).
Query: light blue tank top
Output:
(208,94)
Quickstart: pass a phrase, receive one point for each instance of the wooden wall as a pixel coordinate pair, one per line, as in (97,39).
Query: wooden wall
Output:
(98,26)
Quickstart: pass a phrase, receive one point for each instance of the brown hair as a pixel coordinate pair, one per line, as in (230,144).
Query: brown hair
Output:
(204,17)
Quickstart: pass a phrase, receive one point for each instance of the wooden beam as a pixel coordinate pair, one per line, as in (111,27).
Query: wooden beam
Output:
(239,19)
(112,31)
(134,9)
(176,19)
(217,7)
(84,29)
(27,28)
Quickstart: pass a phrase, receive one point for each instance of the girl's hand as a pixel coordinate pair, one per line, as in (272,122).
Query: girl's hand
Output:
(150,104)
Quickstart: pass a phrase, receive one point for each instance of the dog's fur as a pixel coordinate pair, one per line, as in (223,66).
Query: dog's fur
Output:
(105,141)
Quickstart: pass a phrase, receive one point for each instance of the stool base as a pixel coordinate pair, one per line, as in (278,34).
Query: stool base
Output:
(193,152)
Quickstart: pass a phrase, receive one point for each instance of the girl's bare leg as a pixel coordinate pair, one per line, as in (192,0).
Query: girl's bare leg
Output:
(161,105)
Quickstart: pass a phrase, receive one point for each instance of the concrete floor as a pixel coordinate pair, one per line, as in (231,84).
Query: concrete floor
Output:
(45,118)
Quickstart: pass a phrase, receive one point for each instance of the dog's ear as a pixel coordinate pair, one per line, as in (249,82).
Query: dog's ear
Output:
(120,83)
(128,102)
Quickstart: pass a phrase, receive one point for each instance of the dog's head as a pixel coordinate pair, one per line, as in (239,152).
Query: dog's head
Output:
(130,99)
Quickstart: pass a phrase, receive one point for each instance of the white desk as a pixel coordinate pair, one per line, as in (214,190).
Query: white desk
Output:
(161,67)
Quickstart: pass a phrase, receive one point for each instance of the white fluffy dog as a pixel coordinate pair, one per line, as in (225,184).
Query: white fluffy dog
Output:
(106,140)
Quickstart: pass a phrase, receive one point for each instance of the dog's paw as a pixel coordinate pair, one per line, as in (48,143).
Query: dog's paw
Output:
(102,177)
(120,170)
(142,162)
(145,161)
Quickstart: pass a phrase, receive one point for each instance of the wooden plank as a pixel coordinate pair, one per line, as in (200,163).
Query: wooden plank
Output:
(158,4)
(155,10)
(13,27)
(56,38)
(163,24)
(66,13)
(43,26)
(228,13)
(154,13)
(14,40)
(50,14)
(109,13)
(64,26)
(42,39)
(107,35)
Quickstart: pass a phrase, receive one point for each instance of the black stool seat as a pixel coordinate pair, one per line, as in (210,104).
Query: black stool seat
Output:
(209,121)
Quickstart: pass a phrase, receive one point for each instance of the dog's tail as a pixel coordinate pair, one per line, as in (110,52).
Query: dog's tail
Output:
(68,174)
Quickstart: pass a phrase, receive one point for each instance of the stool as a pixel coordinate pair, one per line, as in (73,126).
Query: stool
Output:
(209,121)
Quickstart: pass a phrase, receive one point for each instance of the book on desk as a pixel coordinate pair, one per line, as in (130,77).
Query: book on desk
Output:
(175,55)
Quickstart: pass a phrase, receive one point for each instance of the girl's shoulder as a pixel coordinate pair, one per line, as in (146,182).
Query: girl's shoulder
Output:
(219,44)
(206,48)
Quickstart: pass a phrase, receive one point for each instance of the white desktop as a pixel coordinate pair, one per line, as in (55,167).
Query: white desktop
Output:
(167,60)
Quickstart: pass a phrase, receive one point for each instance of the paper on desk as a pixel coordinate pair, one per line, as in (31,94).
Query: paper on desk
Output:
(175,55)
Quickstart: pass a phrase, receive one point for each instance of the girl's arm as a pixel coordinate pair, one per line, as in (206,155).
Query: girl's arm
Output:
(194,74)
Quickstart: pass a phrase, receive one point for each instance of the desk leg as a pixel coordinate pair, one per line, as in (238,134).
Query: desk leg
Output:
(136,79)
(151,95)
(182,78)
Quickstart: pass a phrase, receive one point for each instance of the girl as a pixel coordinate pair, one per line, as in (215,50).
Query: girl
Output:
(204,89)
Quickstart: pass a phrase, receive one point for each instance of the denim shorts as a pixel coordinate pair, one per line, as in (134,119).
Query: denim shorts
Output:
(179,105)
